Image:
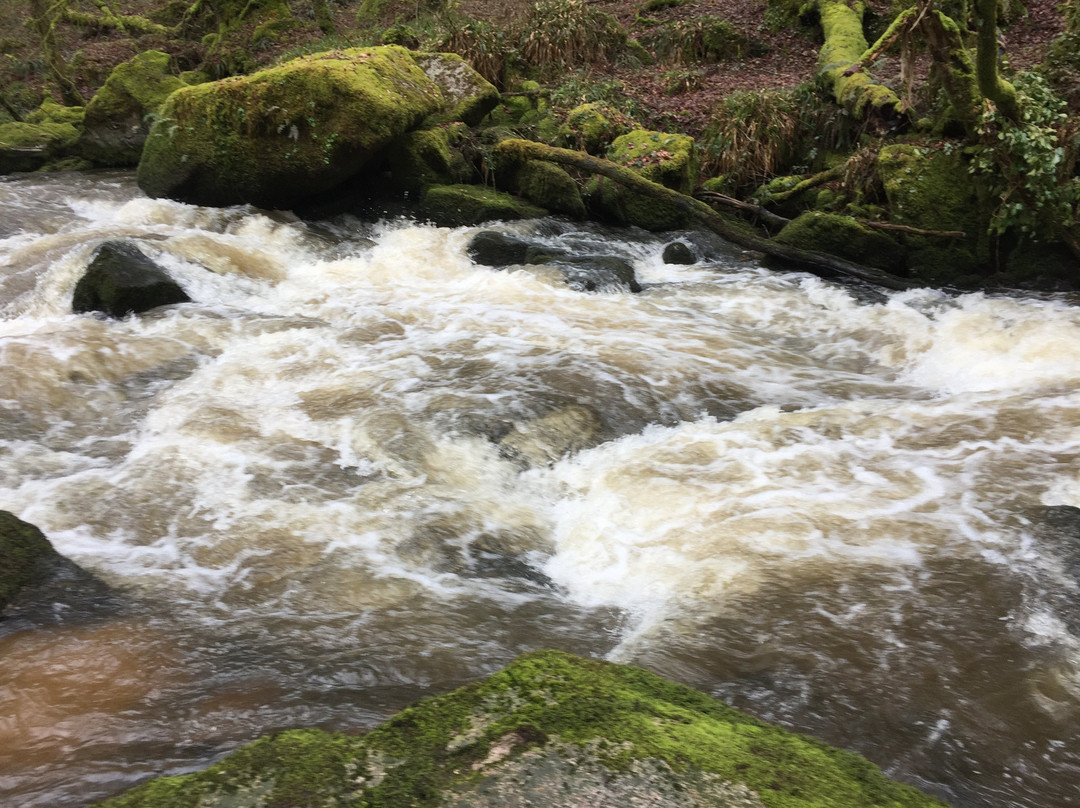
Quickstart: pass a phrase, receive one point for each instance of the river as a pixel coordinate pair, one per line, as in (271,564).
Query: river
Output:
(839,509)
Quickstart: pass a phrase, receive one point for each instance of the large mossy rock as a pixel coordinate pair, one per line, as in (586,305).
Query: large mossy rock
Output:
(117,118)
(932,189)
(120,280)
(26,557)
(664,158)
(48,133)
(842,236)
(469,96)
(550,730)
(287,133)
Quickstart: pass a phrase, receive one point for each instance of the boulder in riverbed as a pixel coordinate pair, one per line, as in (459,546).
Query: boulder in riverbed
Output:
(117,117)
(26,557)
(551,730)
(120,280)
(289,132)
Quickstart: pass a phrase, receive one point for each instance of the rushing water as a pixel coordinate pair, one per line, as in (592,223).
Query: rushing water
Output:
(825,505)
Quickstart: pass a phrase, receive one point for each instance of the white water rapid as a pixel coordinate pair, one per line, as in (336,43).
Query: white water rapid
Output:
(841,510)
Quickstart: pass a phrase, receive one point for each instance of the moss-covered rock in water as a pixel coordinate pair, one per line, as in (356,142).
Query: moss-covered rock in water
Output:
(26,557)
(550,730)
(46,134)
(460,205)
(932,189)
(286,133)
(551,187)
(117,122)
(820,232)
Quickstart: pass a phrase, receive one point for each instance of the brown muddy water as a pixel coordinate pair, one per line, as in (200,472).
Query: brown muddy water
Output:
(842,511)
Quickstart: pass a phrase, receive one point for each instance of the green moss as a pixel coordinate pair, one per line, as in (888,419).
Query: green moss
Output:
(25,556)
(845,44)
(116,121)
(593,126)
(460,205)
(421,158)
(667,159)
(46,134)
(619,722)
(297,129)
(550,187)
(931,188)
(821,232)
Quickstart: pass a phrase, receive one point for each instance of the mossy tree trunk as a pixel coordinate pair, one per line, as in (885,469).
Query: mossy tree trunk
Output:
(43,22)
(992,85)
(322,16)
(839,66)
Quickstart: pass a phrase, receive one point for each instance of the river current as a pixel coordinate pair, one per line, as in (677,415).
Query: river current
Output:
(842,510)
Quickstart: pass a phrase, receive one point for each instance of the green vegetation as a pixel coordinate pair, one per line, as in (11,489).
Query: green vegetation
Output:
(549,722)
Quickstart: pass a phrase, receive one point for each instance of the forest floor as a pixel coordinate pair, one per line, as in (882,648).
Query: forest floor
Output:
(681,96)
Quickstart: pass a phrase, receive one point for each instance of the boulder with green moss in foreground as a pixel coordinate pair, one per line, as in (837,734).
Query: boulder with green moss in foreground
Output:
(550,730)
(294,131)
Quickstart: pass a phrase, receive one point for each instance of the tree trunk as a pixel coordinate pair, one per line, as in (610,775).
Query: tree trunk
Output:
(840,70)
(995,88)
(44,23)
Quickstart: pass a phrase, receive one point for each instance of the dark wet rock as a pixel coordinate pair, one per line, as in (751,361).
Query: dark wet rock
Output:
(551,730)
(120,280)
(26,557)
(596,273)
(491,248)
(586,273)
(551,437)
(677,252)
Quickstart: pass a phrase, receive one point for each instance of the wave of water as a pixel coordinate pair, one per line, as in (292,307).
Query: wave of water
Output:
(829,506)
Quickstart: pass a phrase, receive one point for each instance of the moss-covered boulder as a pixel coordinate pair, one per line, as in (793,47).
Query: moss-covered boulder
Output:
(550,730)
(120,280)
(461,205)
(592,127)
(287,133)
(469,97)
(26,557)
(421,158)
(117,117)
(661,157)
(821,232)
(932,189)
(551,187)
(48,133)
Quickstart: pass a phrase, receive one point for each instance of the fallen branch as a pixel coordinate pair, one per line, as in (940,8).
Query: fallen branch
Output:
(766,216)
(918,231)
(521,151)
(834,173)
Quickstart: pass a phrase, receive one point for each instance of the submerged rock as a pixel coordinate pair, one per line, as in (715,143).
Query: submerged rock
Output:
(550,437)
(586,273)
(551,730)
(120,280)
(26,557)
